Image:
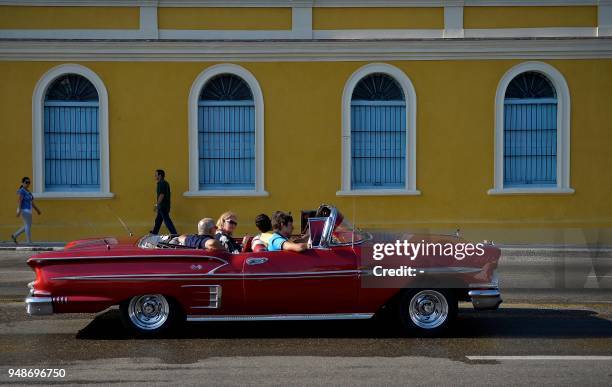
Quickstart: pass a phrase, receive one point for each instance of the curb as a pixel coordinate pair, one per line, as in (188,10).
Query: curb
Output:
(53,246)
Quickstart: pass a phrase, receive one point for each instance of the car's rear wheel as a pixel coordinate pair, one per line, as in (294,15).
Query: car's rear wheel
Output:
(427,312)
(149,314)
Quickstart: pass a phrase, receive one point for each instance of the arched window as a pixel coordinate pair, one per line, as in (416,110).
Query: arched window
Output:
(226,133)
(70,134)
(532,131)
(379,134)
(72,146)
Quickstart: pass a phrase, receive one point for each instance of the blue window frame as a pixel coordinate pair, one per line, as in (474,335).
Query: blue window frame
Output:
(530,132)
(378,134)
(226,134)
(71,135)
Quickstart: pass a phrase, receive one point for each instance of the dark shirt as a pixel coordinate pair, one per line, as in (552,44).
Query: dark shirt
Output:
(228,242)
(197,241)
(164,188)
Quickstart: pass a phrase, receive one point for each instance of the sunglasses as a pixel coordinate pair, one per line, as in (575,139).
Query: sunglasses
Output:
(232,222)
(26,182)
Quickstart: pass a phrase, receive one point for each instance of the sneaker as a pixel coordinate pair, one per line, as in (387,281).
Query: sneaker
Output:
(14,239)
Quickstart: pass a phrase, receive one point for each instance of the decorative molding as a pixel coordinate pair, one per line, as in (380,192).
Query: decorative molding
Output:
(71,34)
(563,131)
(453,21)
(379,192)
(300,31)
(147,30)
(224,194)
(301,22)
(530,191)
(604,16)
(379,34)
(38,140)
(73,195)
(548,32)
(271,51)
(148,22)
(225,34)
(299,3)
(79,3)
(529,3)
(194,94)
(411,112)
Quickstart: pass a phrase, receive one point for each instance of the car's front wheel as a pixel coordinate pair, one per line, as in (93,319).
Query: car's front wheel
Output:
(149,314)
(427,312)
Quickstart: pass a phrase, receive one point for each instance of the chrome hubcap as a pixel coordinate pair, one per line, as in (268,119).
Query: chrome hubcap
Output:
(149,312)
(428,309)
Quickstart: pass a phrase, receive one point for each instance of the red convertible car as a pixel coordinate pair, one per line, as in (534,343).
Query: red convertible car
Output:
(157,284)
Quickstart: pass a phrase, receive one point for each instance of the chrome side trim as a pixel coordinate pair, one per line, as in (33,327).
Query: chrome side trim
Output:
(484,293)
(284,317)
(131,257)
(256,260)
(210,275)
(330,272)
(217,268)
(60,299)
(39,306)
(214,301)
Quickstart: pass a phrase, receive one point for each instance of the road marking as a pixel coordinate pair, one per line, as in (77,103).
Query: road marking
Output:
(539,357)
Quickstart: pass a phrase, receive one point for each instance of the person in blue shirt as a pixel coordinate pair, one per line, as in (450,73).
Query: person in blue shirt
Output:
(282,223)
(204,239)
(25,203)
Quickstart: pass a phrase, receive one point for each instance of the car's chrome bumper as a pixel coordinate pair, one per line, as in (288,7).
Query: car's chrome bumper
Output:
(483,299)
(39,306)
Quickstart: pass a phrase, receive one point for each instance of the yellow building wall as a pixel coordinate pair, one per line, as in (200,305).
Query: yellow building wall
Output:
(231,18)
(529,17)
(41,18)
(330,18)
(455,119)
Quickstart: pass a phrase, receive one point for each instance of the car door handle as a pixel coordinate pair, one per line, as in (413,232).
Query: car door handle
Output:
(256,261)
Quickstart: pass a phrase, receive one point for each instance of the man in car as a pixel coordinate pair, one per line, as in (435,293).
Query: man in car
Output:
(282,223)
(205,238)
(264,225)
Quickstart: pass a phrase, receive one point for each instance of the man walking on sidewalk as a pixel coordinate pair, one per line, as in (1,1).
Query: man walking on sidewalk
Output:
(163,203)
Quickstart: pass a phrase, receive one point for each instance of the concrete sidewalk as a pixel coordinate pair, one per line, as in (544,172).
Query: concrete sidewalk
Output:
(34,246)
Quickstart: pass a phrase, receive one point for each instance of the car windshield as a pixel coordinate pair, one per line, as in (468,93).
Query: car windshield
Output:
(345,232)
(158,242)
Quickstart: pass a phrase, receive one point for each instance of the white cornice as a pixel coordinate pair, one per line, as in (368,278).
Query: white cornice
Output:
(299,3)
(306,50)
(80,3)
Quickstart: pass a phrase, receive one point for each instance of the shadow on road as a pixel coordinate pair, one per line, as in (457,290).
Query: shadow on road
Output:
(510,323)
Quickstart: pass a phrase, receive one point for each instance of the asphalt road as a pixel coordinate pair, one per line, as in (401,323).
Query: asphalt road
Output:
(546,336)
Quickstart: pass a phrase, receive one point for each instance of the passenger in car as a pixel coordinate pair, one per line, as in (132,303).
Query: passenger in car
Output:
(264,224)
(283,227)
(204,239)
(226,224)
